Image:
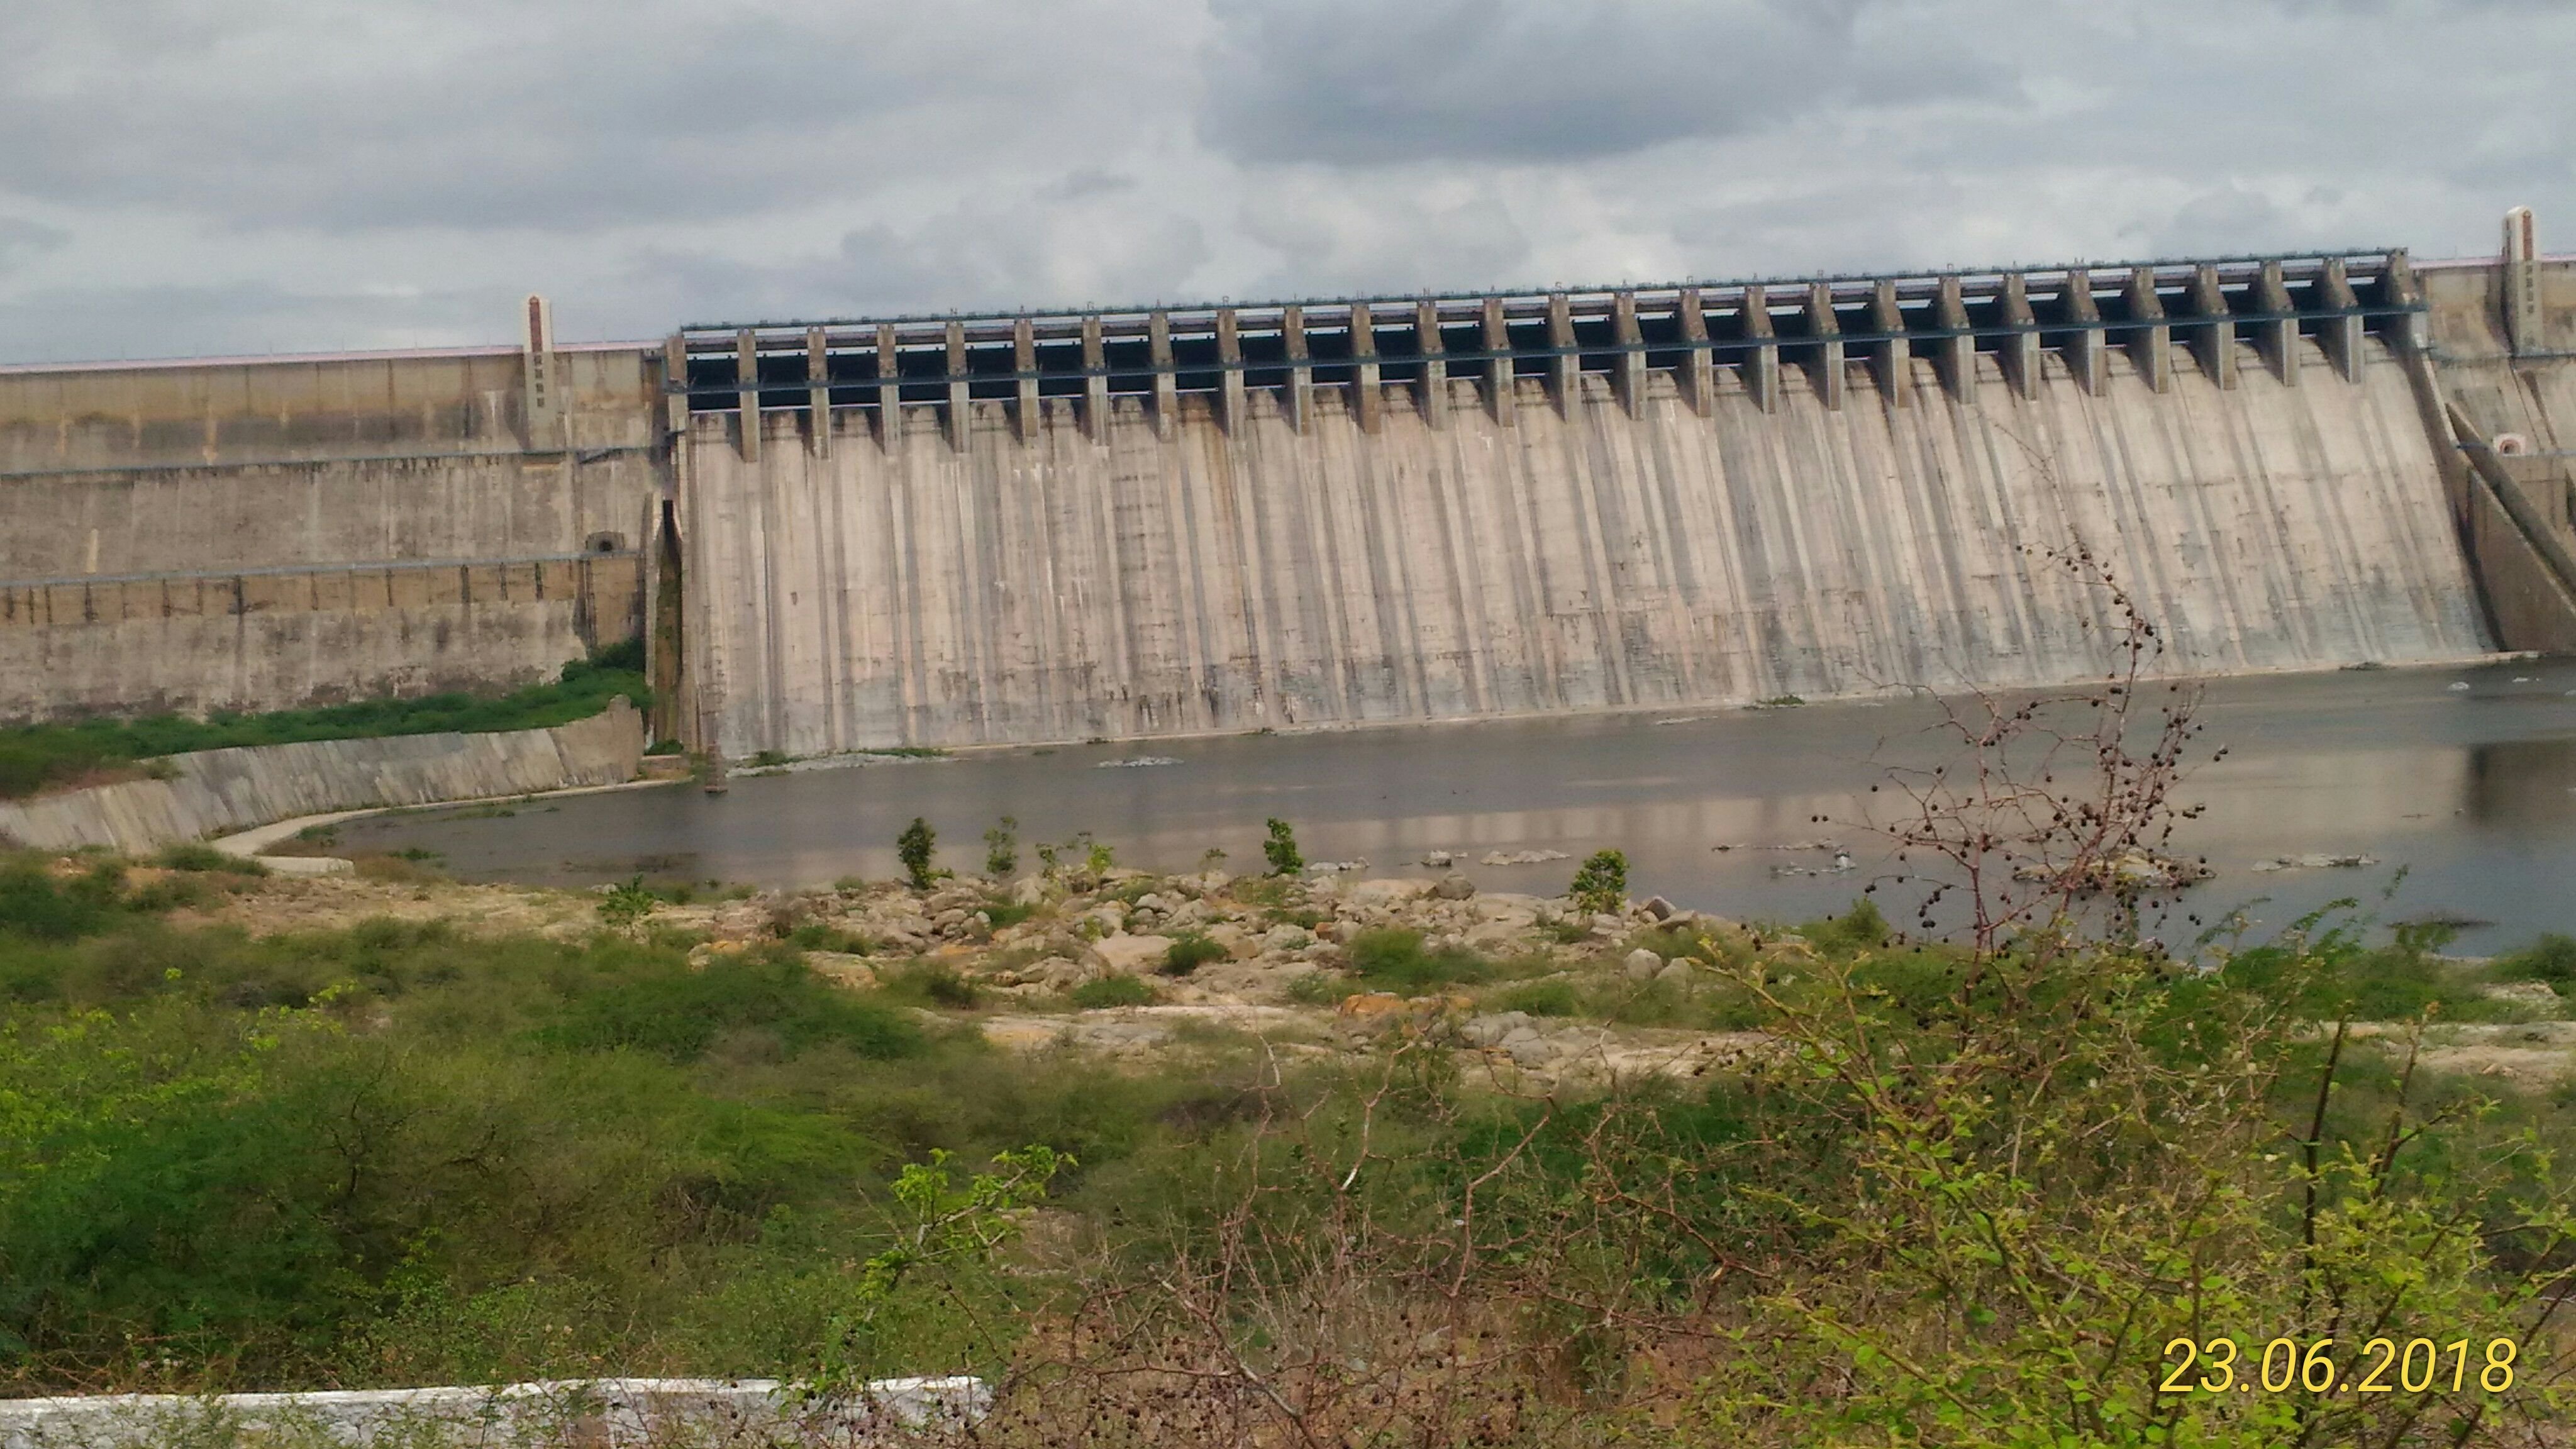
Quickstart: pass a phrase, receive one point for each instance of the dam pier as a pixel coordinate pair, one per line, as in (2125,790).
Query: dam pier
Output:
(937,531)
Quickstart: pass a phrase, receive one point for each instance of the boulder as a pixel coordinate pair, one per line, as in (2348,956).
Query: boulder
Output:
(1383,893)
(1678,973)
(1642,965)
(1238,942)
(1486,1031)
(1454,887)
(1369,1005)
(1130,955)
(1287,937)
(1029,890)
(1657,907)
(1438,859)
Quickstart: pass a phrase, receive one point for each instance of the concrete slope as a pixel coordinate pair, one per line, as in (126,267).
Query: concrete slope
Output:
(1066,588)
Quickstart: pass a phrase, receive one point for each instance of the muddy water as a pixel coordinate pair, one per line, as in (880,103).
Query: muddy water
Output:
(2472,791)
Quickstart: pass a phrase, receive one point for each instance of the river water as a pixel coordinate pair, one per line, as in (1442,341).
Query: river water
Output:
(2472,791)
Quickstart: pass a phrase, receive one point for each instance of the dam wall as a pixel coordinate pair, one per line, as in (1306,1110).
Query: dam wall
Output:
(1699,497)
(263,533)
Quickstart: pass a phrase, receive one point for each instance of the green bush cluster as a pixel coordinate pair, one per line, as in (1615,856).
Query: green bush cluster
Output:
(36,757)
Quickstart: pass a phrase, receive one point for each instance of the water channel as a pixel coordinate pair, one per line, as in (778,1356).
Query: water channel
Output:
(2464,777)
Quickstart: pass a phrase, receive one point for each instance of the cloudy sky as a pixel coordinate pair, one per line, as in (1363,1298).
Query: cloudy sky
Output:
(195,176)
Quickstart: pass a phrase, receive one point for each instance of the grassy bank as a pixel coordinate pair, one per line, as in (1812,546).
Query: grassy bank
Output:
(39,757)
(1955,1199)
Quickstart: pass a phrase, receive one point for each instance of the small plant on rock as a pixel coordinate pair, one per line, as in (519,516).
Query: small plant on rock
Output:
(1113,990)
(1189,953)
(1601,886)
(1281,849)
(917,847)
(1002,848)
(625,906)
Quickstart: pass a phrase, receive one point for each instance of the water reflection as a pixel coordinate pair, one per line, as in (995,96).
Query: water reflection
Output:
(2474,790)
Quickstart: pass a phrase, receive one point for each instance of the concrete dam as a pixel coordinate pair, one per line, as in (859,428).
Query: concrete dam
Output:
(951,530)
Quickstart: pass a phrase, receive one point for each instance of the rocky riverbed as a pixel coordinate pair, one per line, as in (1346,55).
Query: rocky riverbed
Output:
(1532,989)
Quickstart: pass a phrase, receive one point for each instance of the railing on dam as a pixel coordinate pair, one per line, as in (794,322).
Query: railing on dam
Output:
(1688,331)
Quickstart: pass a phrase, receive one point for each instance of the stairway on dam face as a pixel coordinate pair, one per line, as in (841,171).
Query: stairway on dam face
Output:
(1190,578)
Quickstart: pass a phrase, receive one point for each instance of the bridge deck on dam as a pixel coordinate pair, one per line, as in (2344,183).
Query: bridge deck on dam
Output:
(1651,497)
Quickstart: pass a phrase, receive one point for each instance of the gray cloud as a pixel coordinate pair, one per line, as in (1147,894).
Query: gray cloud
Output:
(247,175)
(23,240)
(1364,82)
(498,113)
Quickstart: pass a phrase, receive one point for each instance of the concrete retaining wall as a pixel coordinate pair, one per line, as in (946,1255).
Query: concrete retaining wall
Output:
(251,534)
(250,642)
(1581,558)
(602,1412)
(218,792)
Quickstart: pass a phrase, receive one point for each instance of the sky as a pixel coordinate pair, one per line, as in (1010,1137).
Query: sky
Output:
(193,177)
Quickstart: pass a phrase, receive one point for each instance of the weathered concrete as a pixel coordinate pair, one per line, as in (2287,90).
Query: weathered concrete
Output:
(216,792)
(582,1411)
(248,533)
(195,643)
(1131,586)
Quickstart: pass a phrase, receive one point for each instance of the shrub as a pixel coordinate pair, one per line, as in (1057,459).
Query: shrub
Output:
(1189,953)
(675,1013)
(624,907)
(1393,960)
(1113,990)
(1541,998)
(931,984)
(1002,848)
(1317,988)
(917,847)
(1861,928)
(2552,958)
(197,856)
(1601,885)
(1280,850)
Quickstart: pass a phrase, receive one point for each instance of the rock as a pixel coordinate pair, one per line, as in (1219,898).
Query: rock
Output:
(1130,955)
(1454,887)
(1338,932)
(2316,861)
(1608,926)
(2539,995)
(1286,937)
(1678,973)
(1524,857)
(1487,1031)
(842,969)
(1238,942)
(1370,1004)
(1533,1050)
(1642,964)
(1029,890)
(1335,867)
(1386,892)
(1657,907)
(1437,859)
(1152,901)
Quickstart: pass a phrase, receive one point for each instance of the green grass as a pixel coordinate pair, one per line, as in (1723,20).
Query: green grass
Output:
(1394,960)
(1189,953)
(2551,959)
(1108,991)
(38,757)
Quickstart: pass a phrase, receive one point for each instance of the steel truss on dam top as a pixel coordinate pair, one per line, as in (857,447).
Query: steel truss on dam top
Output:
(1224,350)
